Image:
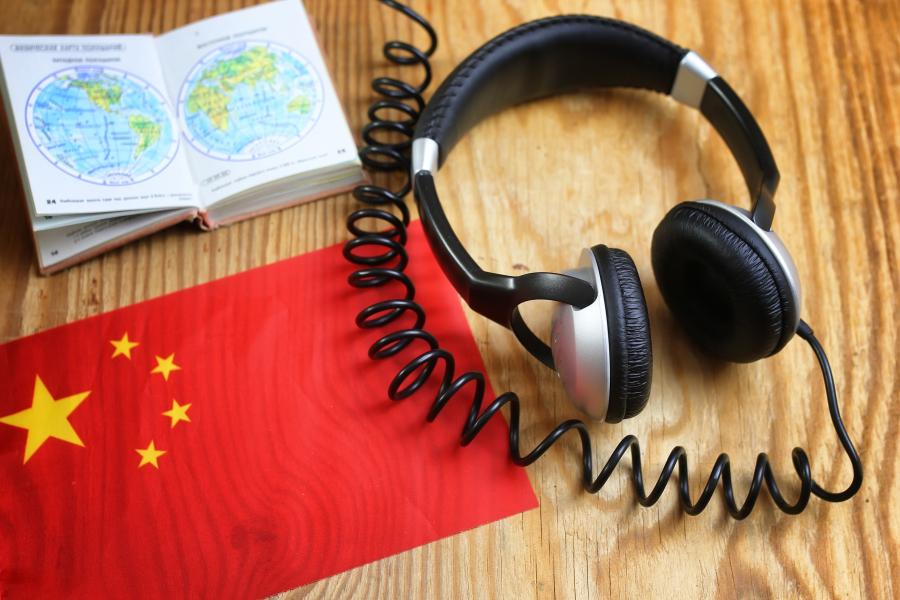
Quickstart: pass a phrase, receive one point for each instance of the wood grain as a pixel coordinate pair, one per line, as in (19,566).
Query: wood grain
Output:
(527,190)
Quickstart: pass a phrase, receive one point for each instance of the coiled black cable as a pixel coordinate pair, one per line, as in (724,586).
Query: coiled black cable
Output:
(388,267)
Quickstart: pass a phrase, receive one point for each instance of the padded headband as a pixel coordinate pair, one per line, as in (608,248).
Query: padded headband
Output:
(545,58)
(553,56)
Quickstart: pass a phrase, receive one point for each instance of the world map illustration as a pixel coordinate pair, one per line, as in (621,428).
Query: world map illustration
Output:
(102,125)
(249,100)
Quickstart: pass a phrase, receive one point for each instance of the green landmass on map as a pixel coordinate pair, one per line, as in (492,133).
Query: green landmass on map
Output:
(147,131)
(212,93)
(101,93)
(249,68)
(211,101)
(300,104)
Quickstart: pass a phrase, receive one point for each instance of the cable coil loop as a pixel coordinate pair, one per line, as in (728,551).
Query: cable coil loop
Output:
(387,267)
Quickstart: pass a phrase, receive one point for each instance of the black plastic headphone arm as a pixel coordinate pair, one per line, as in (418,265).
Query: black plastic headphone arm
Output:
(493,295)
(530,341)
(734,122)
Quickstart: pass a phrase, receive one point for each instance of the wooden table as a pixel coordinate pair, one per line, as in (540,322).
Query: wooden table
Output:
(527,191)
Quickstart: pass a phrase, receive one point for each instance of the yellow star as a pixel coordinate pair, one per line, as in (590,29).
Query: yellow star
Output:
(149,455)
(177,413)
(46,418)
(164,366)
(123,347)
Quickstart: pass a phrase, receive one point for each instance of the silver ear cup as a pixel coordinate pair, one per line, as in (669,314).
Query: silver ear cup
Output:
(579,340)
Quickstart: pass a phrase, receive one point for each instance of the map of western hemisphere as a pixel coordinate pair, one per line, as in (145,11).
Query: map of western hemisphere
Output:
(101,125)
(249,100)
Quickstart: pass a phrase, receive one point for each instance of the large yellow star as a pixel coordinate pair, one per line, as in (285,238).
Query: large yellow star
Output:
(46,418)
(177,413)
(164,366)
(149,455)
(123,347)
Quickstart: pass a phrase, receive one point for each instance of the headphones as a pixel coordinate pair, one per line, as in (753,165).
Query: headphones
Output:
(724,274)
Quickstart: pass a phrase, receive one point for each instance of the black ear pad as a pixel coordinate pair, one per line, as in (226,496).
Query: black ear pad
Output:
(630,350)
(722,283)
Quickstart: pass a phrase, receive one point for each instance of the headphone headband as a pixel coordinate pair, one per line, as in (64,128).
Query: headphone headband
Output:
(549,57)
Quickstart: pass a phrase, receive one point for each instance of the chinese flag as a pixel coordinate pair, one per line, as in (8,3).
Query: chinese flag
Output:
(233,439)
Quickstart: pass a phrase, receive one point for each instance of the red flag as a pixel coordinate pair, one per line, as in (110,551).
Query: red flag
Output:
(233,439)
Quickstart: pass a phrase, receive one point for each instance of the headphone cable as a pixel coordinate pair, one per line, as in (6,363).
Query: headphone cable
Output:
(377,270)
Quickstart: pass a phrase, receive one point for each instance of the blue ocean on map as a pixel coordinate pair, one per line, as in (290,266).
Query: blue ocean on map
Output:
(249,100)
(102,125)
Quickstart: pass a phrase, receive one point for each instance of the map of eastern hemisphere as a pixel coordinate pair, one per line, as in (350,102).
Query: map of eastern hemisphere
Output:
(102,125)
(249,100)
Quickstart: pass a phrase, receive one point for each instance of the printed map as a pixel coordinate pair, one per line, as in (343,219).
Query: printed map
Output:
(101,125)
(249,100)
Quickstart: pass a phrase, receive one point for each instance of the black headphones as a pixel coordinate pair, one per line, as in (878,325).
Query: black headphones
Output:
(722,271)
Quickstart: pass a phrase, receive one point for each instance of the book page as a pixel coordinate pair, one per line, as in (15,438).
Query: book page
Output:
(45,222)
(62,244)
(254,99)
(94,129)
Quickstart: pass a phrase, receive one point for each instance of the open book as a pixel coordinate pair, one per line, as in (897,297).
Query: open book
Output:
(118,136)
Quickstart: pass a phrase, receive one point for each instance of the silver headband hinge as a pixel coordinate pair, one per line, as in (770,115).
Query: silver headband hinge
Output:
(425,153)
(690,81)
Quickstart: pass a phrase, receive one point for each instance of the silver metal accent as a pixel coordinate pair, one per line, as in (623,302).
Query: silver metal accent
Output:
(425,153)
(778,249)
(690,81)
(579,340)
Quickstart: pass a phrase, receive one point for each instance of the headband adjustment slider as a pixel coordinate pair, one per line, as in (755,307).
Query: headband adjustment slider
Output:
(425,153)
(690,81)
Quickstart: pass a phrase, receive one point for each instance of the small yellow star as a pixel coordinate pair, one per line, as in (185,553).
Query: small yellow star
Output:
(177,413)
(123,347)
(164,366)
(149,455)
(46,418)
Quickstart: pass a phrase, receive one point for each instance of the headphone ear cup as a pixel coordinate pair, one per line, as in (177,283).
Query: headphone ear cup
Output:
(630,348)
(722,283)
